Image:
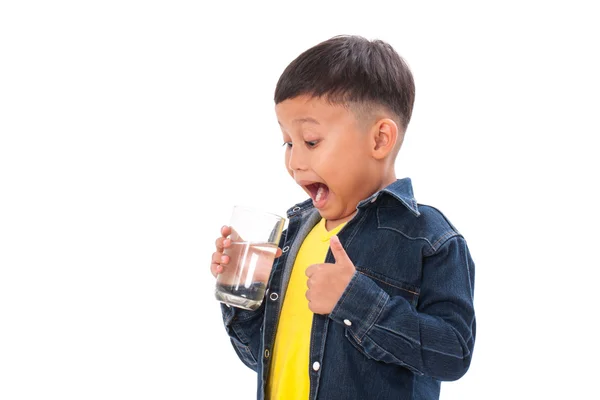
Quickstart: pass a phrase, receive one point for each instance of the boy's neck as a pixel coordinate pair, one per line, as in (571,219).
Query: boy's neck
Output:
(388,180)
(332,224)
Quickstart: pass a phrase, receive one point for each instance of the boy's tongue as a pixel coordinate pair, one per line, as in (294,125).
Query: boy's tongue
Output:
(321,196)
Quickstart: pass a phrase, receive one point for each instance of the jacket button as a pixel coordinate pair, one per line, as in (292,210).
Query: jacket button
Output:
(348,322)
(285,249)
(274,296)
(267,353)
(316,366)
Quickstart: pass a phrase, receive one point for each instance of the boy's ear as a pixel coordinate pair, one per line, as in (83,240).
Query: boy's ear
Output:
(384,135)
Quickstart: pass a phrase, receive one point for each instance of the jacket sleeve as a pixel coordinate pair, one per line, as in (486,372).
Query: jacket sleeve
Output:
(436,337)
(243,328)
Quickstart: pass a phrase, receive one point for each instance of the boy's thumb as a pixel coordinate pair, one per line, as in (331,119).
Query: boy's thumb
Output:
(338,251)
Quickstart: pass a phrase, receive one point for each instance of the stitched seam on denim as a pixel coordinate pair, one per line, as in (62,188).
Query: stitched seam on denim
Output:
(421,350)
(356,338)
(442,238)
(322,352)
(444,243)
(400,232)
(242,340)
(412,207)
(396,359)
(277,312)
(383,299)
(346,293)
(271,342)
(303,229)
(468,338)
(229,316)
(452,227)
(466,251)
(387,283)
(379,309)
(353,234)
(443,353)
(312,344)
(239,332)
(463,342)
(412,341)
(248,353)
(426,348)
(279,305)
(343,299)
(406,236)
(370,316)
(355,343)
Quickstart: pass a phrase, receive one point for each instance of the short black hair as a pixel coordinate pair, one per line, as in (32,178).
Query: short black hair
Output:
(351,69)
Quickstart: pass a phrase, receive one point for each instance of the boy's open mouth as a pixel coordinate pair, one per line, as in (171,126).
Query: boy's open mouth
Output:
(319,193)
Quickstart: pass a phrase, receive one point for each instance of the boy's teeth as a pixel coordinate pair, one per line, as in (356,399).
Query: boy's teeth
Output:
(319,193)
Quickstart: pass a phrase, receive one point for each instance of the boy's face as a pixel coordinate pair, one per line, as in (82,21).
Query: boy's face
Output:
(327,154)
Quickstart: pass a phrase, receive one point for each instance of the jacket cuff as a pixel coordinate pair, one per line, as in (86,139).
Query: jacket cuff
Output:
(360,305)
(234,314)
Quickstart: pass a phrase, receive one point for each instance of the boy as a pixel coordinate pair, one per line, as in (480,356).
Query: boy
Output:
(372,296)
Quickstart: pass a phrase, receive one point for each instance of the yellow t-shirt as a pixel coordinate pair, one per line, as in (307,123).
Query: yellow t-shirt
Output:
(289,379)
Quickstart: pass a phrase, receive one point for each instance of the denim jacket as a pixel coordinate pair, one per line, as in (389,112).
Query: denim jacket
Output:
(405,321)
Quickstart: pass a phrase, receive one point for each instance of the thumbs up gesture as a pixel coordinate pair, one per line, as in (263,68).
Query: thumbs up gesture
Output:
(327,282)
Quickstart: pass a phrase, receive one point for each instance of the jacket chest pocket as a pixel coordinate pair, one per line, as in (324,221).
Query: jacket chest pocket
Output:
(392,287)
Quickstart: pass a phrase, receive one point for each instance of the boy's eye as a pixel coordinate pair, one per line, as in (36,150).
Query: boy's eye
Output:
(311,143)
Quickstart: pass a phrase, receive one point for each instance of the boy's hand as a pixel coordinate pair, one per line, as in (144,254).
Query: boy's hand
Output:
(327,282)
(220,260)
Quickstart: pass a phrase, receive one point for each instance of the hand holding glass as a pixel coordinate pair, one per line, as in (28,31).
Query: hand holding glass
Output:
(254,239)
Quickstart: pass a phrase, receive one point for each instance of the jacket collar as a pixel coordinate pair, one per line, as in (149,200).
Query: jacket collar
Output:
(401,190)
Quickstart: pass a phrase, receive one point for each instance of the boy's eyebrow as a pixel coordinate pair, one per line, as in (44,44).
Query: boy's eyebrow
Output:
(303,120)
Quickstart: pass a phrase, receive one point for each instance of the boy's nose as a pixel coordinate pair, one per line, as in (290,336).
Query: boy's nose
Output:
(297,160)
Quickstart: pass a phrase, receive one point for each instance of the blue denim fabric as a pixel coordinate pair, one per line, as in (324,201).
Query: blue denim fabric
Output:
(404,323)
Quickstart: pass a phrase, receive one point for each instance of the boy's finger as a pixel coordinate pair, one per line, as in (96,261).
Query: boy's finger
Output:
(338,251)
(310,271)
(216,269)
(278,253)
(216,257)
(225,231)
(222,243)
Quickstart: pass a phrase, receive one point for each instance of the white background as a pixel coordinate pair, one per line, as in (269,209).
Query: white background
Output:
(129,129)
